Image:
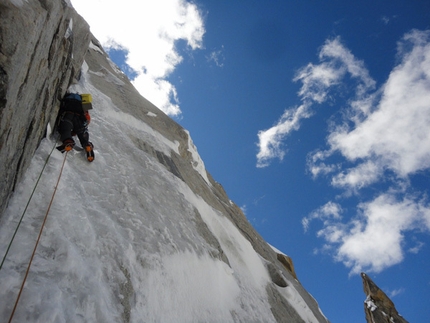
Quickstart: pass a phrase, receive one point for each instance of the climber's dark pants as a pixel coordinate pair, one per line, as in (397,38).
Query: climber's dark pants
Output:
(70,124)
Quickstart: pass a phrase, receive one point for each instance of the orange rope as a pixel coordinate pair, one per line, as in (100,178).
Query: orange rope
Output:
(37,242)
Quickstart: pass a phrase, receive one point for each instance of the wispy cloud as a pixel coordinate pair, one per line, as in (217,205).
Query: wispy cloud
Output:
(392,134)
(416,248)
(386,20)
(149,30)
(270,141)
(384,137)
(396,292)
(326,213)
(317,81)
(217,56)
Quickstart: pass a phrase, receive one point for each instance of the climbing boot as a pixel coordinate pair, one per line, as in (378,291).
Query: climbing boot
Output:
(89,149)
(67,145)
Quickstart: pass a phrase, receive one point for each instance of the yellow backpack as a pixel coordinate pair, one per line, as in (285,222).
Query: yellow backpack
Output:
(87,102)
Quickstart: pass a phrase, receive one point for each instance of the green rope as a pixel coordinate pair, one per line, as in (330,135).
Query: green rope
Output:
(23,213)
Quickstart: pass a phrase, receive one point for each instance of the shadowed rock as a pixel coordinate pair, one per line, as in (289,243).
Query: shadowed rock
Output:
(377,306)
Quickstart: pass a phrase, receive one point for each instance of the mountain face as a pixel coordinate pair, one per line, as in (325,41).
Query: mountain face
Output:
(378,307)
(40,52)
(142,234)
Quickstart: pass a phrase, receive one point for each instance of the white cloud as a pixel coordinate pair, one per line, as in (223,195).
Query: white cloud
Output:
(217,56)
(394,135)
(270,140)
(149,30)
(396,292)
(316,167)
(334,50)
(416,248)
(385,20)
(317,80)
(384,137)
(321,168)
(355,178)
(325,213)
(374,239)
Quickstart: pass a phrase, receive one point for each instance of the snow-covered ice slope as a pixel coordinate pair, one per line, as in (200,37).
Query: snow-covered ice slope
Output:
(121,242)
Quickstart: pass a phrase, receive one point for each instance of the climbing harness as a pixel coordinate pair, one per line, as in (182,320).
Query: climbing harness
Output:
(38,238)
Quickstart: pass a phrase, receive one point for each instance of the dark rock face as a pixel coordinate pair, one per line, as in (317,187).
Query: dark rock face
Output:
(42,47)
(377,306)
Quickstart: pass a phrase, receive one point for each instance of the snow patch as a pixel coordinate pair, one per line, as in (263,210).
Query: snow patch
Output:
(197,162)
(298,303)
(140,129)
(277,250)
(247,264)
(84,68)
(69,30)
(95,47)
(249,271)
(18,3)
(209,286)
(370,304)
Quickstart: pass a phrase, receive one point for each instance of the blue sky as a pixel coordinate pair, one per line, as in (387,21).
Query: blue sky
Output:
(314,117)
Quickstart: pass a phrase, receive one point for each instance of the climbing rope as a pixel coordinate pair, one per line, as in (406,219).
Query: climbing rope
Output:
(25,210)
(38,239)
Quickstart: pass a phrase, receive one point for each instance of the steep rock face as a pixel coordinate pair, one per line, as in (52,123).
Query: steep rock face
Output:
(182,165)
(39,56)
(51,47)
(378,307)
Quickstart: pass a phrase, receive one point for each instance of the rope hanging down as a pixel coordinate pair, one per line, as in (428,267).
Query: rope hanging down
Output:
(37,242)
(25,210)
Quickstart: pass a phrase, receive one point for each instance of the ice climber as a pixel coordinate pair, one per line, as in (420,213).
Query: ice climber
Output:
(74,119)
